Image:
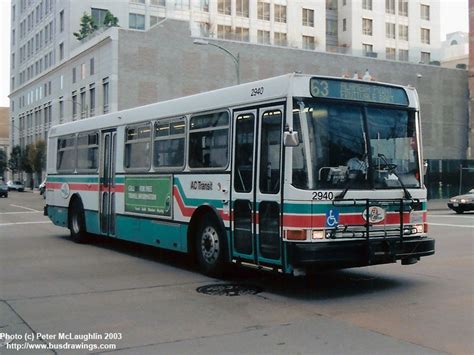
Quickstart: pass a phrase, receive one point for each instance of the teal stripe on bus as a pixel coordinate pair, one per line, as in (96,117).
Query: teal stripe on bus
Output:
(81,179)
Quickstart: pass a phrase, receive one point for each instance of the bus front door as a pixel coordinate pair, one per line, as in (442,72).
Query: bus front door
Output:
(107,182)
(256,186)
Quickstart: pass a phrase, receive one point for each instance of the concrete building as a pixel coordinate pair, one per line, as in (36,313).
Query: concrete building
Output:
(455,50)
(4,131)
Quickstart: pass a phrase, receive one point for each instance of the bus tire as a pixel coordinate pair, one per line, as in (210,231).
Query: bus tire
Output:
(211,247)
(459,210)
(77,225)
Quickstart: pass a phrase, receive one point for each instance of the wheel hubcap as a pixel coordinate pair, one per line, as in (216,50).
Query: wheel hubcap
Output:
(210,245)
(75,223)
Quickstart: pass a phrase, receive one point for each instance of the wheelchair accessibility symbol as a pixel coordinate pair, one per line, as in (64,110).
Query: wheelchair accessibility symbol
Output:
(332,218)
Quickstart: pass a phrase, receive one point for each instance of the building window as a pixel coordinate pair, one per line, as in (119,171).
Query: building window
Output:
(136,21)
(74,104)
(158,2)
(344,2)
(204,5)
(182,5)
(280,13)
(61,51)
(331,4)
(308,43)
(61,21)
(242,8)
(92,99)
(280,39)
(263,10)
(105,91)
(403,32)
(390,6)
(242,34)
(74,75)
(390,53)
(91,65)
(425,57)
(367,49)
(224,7)
(390,30)
(308,17)
(83,103)
(99,16)
(344,25)
(403,7)
(367,27)
(331,27)
(425,12)
(367,4)
(61,109)
(203,29)
(83,71)
(224,32)
(263,37)
(425,36)
(403,55)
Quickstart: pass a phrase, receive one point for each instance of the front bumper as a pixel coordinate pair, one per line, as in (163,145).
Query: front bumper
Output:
(341,254)
(461,206)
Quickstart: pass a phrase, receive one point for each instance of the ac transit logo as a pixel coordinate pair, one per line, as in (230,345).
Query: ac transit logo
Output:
(65,190)
(374,214)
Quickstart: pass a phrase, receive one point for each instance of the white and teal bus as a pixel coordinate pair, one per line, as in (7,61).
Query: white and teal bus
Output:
(291,173)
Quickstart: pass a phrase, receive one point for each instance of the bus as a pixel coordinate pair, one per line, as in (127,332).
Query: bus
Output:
(292,174)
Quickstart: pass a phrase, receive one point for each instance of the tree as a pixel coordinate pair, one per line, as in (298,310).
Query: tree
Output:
(3,162)
(87,27)
(14,163)
(38,158)
(25,164)
(110,20)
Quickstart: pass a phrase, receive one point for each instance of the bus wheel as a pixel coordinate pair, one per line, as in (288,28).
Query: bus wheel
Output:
(211,247)
(77,225)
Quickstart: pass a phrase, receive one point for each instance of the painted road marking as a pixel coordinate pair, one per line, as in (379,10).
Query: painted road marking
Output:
(26,208)
(450,225)
(15,223)
(20,212)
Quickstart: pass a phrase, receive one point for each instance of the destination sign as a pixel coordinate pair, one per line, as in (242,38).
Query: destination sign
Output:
(354,91)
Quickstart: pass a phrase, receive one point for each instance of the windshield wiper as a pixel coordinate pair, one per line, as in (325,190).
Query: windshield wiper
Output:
(349,182)
(392,169)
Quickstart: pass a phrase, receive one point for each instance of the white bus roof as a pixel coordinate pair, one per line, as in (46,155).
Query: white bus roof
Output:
(279,87)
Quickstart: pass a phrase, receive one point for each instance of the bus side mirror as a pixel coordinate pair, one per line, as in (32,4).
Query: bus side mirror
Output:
(425,167)
(291,139)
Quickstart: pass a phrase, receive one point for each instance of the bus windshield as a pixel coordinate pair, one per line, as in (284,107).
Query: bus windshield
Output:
(354,146)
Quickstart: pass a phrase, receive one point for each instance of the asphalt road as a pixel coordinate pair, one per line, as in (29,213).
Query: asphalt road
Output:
(145,300)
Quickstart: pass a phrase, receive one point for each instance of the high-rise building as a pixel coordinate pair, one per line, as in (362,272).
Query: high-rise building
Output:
(56,77)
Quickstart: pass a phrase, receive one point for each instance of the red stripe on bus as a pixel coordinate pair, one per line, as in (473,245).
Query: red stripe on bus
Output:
(188,211)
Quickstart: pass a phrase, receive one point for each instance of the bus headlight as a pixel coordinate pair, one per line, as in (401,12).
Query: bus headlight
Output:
(418,228)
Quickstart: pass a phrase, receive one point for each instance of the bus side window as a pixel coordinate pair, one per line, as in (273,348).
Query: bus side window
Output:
(209,140)
(137,147)
(169,144)
(66,158)
(87,151)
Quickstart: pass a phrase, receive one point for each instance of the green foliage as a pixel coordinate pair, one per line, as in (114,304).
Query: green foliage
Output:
(38,157)
(3,162)
(110,20)
(14,163)
(25,164)
(87,27)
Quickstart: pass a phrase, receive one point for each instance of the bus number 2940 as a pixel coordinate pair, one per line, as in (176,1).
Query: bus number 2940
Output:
(320,195)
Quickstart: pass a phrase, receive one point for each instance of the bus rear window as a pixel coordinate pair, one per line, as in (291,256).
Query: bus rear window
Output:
(137,147)
(209,140)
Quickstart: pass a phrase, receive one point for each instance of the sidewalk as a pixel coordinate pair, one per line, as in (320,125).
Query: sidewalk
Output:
(438,204)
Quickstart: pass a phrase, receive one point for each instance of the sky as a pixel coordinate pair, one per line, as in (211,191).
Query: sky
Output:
(454,17)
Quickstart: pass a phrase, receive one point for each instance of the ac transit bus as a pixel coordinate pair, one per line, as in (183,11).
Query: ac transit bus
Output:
(292,173)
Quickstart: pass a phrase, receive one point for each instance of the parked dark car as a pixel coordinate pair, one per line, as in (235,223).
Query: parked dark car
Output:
(462,203)
(3,189)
